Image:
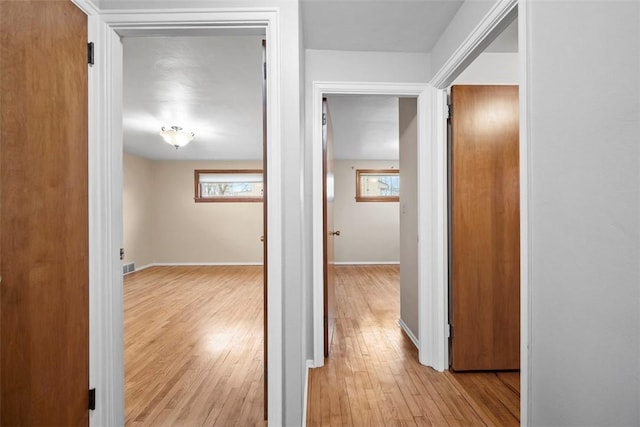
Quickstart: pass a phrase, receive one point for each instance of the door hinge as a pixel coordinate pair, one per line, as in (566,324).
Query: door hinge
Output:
(92,399)
(324,119)
(264,70)
(449,111)
(121,254)
(449,331)
(90,53)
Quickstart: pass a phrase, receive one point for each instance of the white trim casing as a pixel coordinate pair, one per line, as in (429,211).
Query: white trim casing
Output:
(432,170)
(429,209)
(106,364)
(86,6)
(106,188)
(106,357)
(501,14)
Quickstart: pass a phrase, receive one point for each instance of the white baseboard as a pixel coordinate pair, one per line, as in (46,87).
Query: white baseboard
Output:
(410,334)
(178,264)
(195,264)
(367,262)
(142,268)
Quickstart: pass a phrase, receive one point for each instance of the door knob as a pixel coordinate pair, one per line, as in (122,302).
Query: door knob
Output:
(335,233)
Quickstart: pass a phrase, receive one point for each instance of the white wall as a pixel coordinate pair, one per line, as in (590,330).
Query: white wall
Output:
(584,212)
(137,210)
(409,213)
(369,231)
(163,224)
(491,69)
(334,65)
(186,231)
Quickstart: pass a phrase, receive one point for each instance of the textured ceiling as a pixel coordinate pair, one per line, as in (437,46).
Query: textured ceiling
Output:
(209,85)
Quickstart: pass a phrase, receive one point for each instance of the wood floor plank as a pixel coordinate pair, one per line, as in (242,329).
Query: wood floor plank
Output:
(193,346)
(373,377)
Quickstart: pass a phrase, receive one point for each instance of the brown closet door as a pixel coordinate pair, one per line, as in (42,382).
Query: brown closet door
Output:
(43,214)
(485,228)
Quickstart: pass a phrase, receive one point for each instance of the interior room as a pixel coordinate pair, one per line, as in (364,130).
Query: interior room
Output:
(365,132)
(193,230)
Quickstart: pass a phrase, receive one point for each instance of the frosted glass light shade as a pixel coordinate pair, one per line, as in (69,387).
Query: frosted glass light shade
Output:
(176,136)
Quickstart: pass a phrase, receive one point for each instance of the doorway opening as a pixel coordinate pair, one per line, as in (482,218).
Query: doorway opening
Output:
(425,153)
(361,193)
(370,143)
(105,158)
(194,226)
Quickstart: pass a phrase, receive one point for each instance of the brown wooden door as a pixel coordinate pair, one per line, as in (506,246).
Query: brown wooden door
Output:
(264,220)
(43,214)
(328,228)
(485,227)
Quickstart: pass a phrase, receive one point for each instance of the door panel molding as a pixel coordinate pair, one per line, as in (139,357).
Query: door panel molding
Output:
(105,165)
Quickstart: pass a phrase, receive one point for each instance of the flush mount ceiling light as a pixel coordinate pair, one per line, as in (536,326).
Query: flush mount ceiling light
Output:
(176,136)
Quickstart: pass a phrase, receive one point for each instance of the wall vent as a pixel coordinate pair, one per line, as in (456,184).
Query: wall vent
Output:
(128,268)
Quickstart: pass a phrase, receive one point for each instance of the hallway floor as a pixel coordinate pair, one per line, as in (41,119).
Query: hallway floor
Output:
(372,376)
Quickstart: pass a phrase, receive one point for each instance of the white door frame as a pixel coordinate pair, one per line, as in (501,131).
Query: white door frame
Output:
(105,191)
(494,22)
(432,267)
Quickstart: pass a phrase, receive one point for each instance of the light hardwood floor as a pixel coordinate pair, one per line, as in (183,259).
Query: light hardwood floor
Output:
(193,356)
(373,378)
(193,346)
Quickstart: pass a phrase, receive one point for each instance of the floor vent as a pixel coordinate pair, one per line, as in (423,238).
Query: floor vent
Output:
(128,268)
